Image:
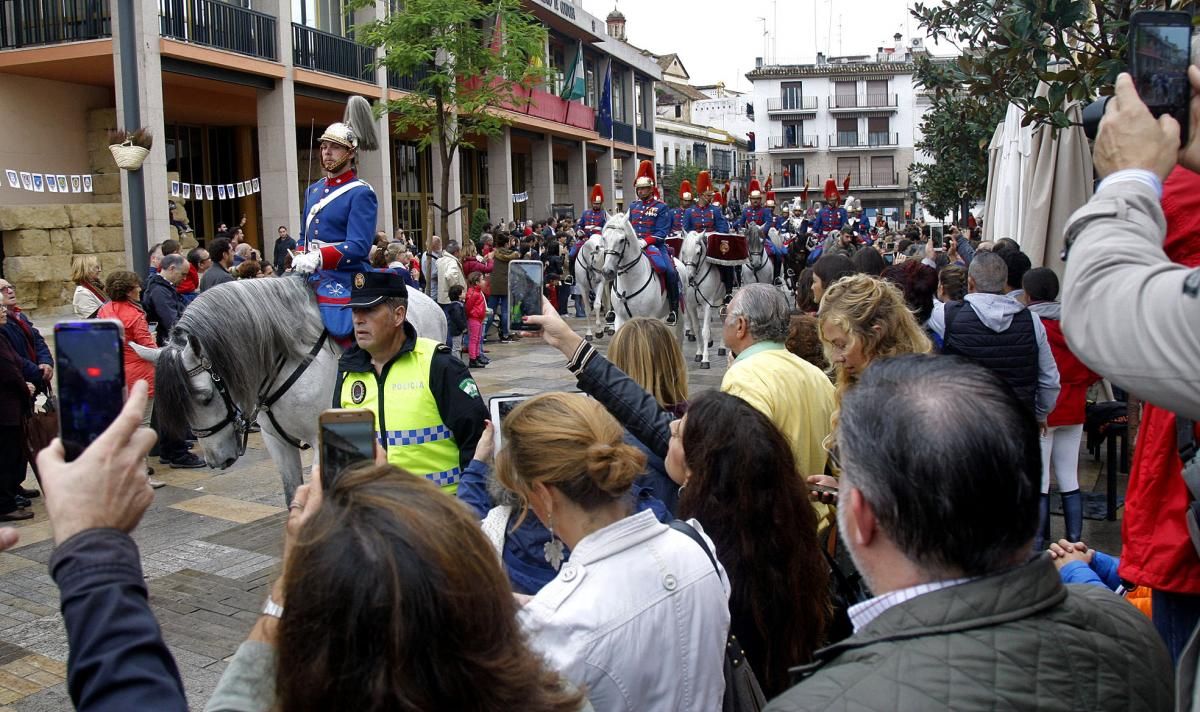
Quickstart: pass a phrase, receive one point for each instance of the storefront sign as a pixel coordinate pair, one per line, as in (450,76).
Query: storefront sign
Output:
(562,7)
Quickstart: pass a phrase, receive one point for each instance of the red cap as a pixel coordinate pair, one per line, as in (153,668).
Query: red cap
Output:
(755,188)
(645,175)
(770,196)
(597,194)
(831,191)
(685,189)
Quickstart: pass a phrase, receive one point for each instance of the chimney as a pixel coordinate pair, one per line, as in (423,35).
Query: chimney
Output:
(758,62)
(616,25)
(899,42)
(820,58)
(879,54)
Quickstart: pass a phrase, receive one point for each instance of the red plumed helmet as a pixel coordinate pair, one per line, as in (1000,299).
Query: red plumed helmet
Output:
(645,175)
(597,194)
(655,194)
(704,183)
(831,191)
(685,189)
(768,184)
(716,199)
(755,188)
(770,198)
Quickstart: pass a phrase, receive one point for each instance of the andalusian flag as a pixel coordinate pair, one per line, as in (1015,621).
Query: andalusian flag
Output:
(575,87)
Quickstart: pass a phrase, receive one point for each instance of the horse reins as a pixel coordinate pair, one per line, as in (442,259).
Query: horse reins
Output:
(266,398)
(622,270)
(692,281)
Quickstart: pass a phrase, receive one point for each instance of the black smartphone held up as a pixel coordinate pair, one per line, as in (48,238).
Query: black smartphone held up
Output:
(347,437)
(91,379)
(525,280)
(1160,50)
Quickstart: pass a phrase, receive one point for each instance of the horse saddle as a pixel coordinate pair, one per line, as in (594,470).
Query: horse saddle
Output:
(675,242)
(727,249)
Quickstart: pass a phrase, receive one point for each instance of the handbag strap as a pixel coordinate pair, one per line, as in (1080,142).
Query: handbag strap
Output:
(681,526)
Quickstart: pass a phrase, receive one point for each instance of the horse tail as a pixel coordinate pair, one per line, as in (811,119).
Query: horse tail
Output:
(172,389)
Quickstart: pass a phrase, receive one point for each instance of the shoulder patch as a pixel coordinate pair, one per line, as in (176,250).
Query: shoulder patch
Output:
(467,385)
(1191,285)
(443,349)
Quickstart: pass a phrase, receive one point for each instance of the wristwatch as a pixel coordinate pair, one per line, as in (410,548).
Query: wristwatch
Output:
(271,608)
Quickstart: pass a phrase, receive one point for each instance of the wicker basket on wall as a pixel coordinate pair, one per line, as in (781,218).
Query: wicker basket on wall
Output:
(129,149)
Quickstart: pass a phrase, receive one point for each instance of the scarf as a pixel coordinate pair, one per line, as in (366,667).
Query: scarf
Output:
(14,313)
(87,284)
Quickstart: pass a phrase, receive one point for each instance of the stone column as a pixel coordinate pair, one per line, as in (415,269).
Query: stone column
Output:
(605,164)
(150,106)
(500,184)
(541,192)
(577,187)
(278,164)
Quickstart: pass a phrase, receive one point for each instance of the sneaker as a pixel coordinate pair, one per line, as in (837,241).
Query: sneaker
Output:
(484,359)
(156,484)
(506,339)
(187,461)
(22,502)
(474,364)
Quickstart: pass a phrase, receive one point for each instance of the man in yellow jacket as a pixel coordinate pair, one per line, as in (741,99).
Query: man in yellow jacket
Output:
(428,411)
(794,394)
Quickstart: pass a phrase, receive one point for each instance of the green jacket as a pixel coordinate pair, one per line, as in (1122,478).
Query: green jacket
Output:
(1018,640)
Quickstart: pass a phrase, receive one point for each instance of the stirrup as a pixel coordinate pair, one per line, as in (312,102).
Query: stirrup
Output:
(672,318)
(610,317)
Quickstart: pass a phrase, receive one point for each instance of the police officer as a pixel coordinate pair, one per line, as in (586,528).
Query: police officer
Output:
(428,411)
(339,218)
(651,220)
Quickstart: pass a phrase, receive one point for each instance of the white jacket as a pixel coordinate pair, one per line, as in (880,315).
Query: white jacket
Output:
(85,302)
(449,273)
(638,617)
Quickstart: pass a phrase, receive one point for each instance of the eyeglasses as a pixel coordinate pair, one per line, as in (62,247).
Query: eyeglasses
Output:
(8,288)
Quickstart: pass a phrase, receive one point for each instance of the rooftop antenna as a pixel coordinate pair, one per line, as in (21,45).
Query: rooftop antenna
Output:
(766,42)
(774,36)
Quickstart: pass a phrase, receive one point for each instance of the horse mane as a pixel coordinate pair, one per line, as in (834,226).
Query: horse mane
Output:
(241,328)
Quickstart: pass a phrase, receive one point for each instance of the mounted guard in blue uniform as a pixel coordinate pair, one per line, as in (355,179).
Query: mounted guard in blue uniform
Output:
(340,213)
(761,215)
(651,220)
(832,217)
(707,216)
(686,201)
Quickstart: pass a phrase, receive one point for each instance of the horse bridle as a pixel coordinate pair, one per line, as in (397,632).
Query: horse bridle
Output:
(693,282)
(266,398)
(624,242)
(762,252)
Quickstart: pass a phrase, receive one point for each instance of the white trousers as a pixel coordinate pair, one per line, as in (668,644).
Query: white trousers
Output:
(1060,450)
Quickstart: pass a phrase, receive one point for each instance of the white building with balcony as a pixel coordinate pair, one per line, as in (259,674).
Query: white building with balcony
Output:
(839,116)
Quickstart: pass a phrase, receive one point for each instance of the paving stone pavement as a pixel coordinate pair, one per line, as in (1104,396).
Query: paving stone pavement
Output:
(211,545)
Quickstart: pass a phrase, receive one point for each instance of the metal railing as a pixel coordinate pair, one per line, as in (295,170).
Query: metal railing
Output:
(884,180)
(28,23)
(218,24)
(856,140)
(791,102)
(406,82)
(792,142)
(622,132)
(645,138)
(864,101)
(324,52)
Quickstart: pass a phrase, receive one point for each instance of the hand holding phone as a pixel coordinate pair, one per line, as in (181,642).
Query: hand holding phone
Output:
(525,280)
(1160,47)
(347,437)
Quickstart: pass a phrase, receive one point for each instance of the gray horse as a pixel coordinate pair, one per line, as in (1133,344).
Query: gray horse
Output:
(255,350)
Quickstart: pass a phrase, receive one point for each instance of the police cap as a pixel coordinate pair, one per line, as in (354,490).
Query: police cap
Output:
(371,288)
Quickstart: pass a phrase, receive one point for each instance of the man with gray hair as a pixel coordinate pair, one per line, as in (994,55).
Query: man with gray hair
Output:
(794,394)
(1000,333)
(940,520)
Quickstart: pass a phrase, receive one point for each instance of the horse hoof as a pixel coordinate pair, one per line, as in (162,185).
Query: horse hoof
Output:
(691,337)
(705,365)
(698,358)
(587,337)
(721,351)
(710,343)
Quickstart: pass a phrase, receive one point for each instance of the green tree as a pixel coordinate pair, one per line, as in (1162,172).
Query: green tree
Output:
(956,131)
(478,219)
(469,58)
(1007,46)
(670,184)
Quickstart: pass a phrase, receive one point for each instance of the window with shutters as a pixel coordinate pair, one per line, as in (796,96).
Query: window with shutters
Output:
(847,166)
(847,132)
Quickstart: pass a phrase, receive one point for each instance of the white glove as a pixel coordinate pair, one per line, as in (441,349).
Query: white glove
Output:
(308,262)
(641,244)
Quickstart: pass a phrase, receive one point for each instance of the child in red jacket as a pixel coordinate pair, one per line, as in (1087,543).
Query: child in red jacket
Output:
(1060,444)
(476,313)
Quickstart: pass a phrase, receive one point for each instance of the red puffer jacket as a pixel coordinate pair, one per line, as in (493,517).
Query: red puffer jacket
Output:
(1071,406)
(1156,550)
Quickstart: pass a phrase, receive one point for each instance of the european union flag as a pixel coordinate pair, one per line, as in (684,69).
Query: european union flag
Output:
(605,112)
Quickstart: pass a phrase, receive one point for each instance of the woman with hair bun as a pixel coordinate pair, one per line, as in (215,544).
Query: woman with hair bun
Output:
(638,617)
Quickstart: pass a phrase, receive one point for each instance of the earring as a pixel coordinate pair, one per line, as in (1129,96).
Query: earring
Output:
(553,549)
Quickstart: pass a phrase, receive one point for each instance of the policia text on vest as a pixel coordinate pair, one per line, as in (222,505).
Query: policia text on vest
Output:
(428,411)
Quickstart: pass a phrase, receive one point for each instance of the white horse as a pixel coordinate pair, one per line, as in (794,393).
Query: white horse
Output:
(256,350)
(703,292)
(635,286)
(759,268)
(590,278)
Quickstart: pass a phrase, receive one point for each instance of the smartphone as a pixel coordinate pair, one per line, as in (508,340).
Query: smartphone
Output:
(937,234)
(1160,49)
(347,437)
(822,489)
(500,406)
(91,379)
(525,280)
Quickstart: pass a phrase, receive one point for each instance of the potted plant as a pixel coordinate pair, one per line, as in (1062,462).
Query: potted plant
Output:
(130,148)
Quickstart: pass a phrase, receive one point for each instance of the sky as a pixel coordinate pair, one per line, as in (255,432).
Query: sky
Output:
(719,40)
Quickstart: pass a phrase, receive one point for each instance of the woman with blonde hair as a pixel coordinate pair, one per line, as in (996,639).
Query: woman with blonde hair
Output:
(89,295)
(616,630)
(646,350)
